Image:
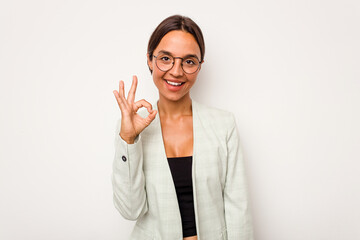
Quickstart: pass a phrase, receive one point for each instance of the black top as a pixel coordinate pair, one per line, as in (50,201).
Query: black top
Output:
(181,172)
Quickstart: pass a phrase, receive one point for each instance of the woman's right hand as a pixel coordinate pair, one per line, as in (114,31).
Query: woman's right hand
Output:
(132,124)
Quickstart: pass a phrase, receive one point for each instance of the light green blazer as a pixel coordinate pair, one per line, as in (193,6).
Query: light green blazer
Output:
(144,189)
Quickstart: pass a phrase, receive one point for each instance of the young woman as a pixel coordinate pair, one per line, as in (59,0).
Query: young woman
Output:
(178,168)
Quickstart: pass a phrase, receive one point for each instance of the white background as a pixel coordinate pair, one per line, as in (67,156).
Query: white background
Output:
(289,70)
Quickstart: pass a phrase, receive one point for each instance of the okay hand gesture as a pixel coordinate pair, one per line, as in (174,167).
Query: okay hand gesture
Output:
(132,124)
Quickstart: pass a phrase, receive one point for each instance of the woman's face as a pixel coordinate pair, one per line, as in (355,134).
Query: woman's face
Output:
(178,44)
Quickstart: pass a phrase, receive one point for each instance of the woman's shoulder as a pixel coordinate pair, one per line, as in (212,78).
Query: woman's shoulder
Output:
(213,114)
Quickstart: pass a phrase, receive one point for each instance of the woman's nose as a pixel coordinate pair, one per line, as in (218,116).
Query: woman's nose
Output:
(177,70)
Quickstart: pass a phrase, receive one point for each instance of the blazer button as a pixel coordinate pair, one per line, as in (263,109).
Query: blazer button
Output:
(123,158)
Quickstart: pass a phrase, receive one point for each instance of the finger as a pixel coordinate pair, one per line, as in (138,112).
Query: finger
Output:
(150,117)
(143,103)
(131,95)
(119,100)
(121,90)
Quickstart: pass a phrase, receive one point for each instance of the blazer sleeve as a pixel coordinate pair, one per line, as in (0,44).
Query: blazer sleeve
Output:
(237,213)
(128,178)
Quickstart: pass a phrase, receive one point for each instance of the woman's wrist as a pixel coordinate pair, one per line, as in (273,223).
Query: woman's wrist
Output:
(128,140)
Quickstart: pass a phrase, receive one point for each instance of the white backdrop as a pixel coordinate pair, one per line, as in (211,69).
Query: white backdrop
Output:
(289,70)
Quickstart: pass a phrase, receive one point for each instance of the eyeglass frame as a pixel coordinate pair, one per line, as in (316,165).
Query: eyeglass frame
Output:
(173,63)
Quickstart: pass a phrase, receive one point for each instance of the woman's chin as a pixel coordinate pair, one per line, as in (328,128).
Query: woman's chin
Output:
(174,97)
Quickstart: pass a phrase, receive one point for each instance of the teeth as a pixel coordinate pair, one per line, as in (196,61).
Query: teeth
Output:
(173,83)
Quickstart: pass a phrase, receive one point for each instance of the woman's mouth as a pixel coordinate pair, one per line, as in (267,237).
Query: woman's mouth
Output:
(174,83)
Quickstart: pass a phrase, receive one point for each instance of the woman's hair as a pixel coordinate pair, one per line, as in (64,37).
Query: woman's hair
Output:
(176,22)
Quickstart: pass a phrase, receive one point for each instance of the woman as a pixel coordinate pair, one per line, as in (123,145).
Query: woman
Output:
(178,168)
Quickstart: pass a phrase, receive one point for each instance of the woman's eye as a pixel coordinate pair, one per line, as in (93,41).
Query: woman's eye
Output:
(165,59)
(189,62)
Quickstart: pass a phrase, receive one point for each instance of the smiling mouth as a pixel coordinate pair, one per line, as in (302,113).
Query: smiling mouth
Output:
(174,83)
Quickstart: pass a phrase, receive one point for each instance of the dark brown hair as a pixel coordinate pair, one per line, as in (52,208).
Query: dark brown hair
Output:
(176,22)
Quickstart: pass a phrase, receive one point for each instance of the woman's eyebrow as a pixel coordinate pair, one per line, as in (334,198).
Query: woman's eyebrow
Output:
(169,53)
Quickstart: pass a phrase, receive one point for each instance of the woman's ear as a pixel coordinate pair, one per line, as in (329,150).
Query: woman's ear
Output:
(201,64)
(149,62)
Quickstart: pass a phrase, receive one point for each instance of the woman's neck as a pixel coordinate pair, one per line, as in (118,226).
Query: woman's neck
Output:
(175,109)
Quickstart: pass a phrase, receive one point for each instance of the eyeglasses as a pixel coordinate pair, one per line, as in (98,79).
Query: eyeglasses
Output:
(165,62)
